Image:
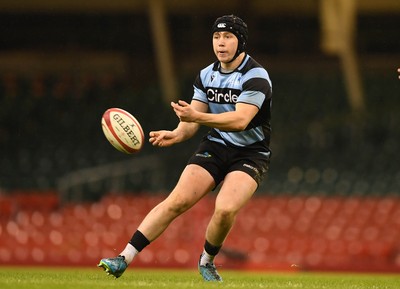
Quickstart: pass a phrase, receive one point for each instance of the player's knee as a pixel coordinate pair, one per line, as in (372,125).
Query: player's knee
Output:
(178,206)
(224,215)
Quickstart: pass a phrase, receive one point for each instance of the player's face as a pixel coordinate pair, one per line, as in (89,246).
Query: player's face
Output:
(225,45)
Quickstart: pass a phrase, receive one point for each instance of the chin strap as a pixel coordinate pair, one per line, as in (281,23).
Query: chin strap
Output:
(235,56)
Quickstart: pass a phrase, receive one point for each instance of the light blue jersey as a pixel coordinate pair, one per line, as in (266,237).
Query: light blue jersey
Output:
(249,83)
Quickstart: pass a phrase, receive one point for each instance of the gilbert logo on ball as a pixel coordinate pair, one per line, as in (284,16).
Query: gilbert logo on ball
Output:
(122,130)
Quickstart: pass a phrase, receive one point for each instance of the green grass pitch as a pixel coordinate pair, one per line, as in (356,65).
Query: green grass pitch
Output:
(85,278)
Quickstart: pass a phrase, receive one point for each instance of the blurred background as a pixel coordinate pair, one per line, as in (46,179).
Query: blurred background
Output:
(67,197)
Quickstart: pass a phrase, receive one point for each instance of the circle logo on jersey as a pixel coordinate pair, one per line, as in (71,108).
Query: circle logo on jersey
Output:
(223,96)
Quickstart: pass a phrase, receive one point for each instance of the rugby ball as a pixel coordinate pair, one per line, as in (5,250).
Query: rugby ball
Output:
(122,130)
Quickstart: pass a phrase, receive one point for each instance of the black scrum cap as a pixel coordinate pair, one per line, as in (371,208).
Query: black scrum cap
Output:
(234,25)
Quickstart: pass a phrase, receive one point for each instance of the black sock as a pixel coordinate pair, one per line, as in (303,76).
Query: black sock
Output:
(211,249)
(139,241)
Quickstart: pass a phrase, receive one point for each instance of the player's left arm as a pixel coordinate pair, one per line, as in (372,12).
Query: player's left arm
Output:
(236,120)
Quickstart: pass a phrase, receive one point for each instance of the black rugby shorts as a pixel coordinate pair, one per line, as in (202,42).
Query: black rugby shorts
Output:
(219,160)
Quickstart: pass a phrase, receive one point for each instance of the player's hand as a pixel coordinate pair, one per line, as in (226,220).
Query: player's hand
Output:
(184,111)
(162,138)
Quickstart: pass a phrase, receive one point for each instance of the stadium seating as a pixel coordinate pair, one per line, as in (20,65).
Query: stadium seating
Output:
(271,233)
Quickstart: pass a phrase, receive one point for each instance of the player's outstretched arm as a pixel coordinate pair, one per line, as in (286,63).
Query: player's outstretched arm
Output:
(183,131)
(166,138)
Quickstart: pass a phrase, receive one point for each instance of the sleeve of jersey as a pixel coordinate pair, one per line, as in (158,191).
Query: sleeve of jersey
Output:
(199,90)
(255,88)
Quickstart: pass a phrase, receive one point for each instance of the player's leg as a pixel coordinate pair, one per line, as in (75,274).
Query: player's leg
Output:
(236,191)
(194,183)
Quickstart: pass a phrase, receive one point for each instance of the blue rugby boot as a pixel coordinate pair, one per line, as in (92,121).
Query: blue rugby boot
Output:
(209,272)
(113,266)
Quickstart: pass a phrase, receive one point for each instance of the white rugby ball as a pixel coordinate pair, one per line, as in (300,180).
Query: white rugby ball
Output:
(122,130)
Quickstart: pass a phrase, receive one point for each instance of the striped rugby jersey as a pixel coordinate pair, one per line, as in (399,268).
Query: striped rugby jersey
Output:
(249,83)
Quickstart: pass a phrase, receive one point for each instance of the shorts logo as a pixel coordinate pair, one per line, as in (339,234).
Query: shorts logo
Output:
(204,155)
(251,168)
